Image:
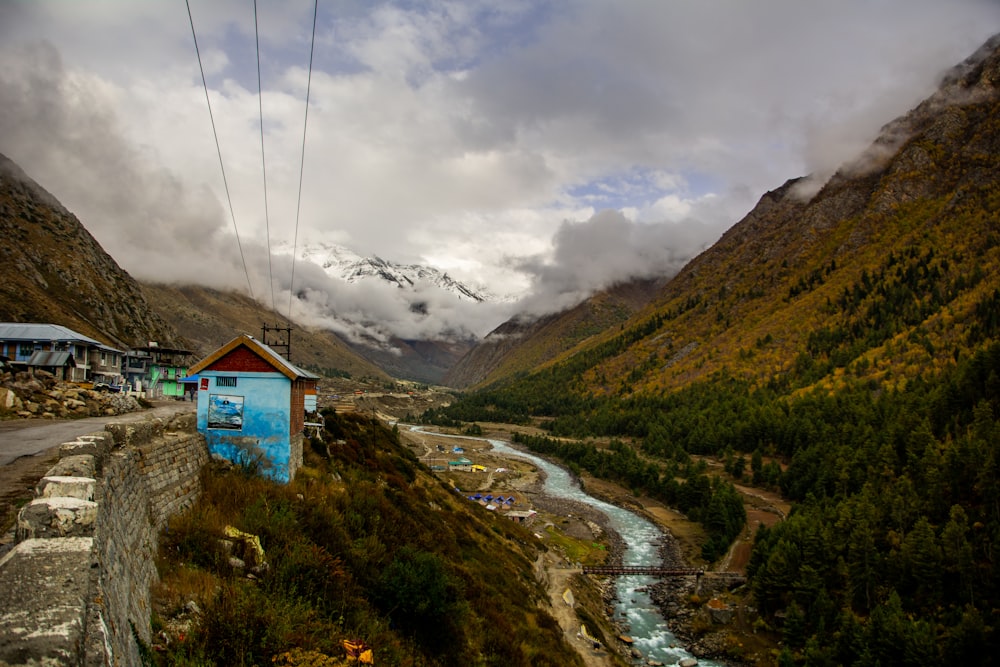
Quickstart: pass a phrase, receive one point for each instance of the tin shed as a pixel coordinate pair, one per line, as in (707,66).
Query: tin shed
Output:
(251,406)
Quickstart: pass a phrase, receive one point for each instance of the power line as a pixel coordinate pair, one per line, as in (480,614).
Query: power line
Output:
(302,163)
(218,148)
(263,161)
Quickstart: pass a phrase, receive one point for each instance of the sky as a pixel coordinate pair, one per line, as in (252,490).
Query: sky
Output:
(540,149)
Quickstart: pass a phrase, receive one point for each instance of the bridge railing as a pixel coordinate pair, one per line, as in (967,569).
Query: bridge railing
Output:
(642,569)
(655,571)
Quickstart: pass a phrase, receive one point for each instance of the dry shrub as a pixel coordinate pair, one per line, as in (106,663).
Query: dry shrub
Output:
(182,585)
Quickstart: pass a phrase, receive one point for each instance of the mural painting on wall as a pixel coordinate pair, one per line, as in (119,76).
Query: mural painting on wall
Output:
(225,412)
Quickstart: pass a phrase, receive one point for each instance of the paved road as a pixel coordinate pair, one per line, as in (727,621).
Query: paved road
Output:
(29,437)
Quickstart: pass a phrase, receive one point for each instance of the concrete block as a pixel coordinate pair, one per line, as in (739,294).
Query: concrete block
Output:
(42,610)
(56,486)
(57,517)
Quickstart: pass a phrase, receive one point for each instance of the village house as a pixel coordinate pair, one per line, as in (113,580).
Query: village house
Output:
(68,355)
(251,406)
(157,370)
(461,463)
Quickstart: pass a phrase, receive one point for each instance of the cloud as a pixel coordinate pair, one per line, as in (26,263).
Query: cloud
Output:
(606,250)
(374,312)
(460,132)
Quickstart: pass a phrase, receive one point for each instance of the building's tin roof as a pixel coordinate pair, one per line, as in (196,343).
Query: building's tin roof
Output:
(40,332)
(52,358)
(278,362)
(48,332)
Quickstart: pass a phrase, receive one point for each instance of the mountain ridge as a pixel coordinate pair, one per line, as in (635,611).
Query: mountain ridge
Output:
(522,343)
(346,265)
(757,301)
(55,271)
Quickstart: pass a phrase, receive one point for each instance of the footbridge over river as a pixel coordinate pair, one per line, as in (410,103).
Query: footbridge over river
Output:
(655,571)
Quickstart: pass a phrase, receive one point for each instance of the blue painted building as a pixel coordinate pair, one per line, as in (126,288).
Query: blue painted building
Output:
(251,406)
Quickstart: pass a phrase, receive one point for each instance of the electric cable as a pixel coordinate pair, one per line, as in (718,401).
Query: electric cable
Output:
(263,160)
(302,163)
(218,148)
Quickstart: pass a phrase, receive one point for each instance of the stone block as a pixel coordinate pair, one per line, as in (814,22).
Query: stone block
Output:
(64,486)
(57,517)
(95,444)
(135,433)
(42,610)
(82,465)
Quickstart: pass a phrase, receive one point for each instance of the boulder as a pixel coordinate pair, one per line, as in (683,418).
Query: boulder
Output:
(9,401)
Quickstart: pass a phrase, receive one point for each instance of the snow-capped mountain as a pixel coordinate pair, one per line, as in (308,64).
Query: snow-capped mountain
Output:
(344,264)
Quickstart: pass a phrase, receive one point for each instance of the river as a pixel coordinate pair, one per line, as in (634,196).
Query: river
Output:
(646,624)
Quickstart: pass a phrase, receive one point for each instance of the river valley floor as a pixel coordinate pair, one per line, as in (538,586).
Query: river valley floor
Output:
(712,617)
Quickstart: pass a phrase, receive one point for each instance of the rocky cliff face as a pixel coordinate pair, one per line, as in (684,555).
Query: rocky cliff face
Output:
(54,271)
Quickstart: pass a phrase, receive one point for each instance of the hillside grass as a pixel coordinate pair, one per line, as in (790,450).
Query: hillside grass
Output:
(364,544)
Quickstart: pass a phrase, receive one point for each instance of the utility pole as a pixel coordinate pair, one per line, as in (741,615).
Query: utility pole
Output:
(277,342)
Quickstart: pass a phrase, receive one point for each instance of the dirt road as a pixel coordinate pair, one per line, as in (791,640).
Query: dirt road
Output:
(29,437)
(29,447)
(557,582)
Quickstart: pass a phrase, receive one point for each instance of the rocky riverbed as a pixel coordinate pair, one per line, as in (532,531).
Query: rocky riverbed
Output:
(701,613)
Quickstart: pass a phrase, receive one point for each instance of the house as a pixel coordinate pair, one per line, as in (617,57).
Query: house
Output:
(461,463)
(525,517)
(251,406)
(91,359)
(157,370)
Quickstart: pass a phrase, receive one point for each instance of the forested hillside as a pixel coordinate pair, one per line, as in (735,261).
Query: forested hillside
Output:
(522,344)
(847,345)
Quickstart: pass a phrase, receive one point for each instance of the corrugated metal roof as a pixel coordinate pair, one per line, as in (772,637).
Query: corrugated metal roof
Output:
(292,367)
(52,358)
(33,332)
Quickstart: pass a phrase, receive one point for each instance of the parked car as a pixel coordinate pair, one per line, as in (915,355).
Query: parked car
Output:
(104,386)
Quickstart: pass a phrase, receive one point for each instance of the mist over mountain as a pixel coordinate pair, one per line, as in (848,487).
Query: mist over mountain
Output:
(771,292)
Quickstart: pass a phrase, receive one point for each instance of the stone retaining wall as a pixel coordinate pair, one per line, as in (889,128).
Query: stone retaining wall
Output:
(85,560)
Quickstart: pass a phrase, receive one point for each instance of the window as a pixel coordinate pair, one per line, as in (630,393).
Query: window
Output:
(25,349)
(225,382)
